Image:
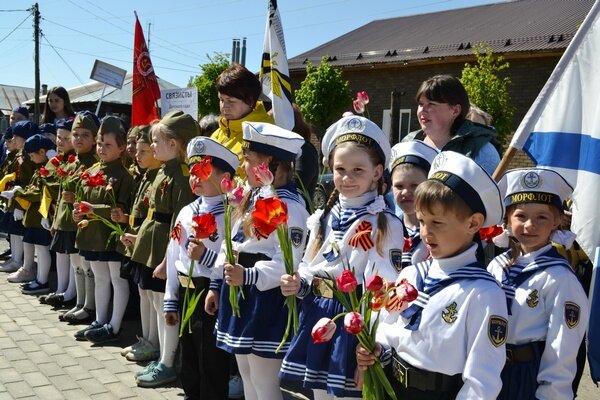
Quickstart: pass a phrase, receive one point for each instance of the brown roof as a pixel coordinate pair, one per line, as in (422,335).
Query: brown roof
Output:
(512,26)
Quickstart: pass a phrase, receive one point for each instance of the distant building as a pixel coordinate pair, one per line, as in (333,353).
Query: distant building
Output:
(10,97)
(397,54)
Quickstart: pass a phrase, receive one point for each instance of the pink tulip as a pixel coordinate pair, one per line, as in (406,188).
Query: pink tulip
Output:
(363,97)
(374,283)
(236,195)
(227,185)
(359,106)
(346,282)
(406,292)
(263,174)
(323,331)
(353,323)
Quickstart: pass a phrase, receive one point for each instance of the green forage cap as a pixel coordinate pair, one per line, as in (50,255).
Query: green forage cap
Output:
(133,132)
(143,134)
(86,120)
(182,124)
(111,124)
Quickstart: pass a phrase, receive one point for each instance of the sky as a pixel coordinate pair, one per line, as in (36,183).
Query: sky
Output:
(182,35)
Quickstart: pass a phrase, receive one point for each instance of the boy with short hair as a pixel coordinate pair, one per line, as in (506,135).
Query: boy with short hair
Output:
(449,343)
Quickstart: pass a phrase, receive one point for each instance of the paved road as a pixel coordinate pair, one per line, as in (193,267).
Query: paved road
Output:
(40,359)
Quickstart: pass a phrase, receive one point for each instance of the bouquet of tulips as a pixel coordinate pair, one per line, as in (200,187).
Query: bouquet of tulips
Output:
(87,209)
(361,318)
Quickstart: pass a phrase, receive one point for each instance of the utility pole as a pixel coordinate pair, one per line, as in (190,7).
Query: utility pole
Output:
(36,34)
(149,25)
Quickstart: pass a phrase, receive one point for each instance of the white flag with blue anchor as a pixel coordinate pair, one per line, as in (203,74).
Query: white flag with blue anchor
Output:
(561,130)
(274,72)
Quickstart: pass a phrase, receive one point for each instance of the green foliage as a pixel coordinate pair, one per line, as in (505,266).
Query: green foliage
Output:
(488,91)
(208,100)
(323,95)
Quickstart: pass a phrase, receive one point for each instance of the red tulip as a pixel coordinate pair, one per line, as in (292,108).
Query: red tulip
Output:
(55,161)
(84,208)
(43,171)
(359,106)
(227,185)
(374,283)
(346,282)
(72,158)
(263,174)
(407,245)
(353,323)
(61,172)
(268,214)
(202,169)
(379,301)
(363,97)
(204,225)
(323,331)
(489,233)
(406,292)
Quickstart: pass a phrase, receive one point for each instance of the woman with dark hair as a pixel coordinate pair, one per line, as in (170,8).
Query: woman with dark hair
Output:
(443,107)
(238,90)
(58,105)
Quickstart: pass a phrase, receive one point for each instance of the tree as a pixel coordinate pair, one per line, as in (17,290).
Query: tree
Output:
(323,95)
(208,98)
(487,90)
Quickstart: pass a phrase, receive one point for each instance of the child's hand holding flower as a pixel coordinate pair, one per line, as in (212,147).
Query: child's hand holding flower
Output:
(234,274)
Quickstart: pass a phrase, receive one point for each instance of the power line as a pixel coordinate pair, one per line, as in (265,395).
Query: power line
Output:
(15,28)
(66,63)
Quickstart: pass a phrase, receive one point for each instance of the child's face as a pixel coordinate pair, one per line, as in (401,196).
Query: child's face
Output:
(64,143)
(404,184)
(446,234)
(253,159)
(10,145)
(208,188)
(436,118)
(164,149)
(532,223)
(232,108)
(353,171)
(107,148)
(144,156)
(131,147)
(16,117)
(38,157)
(19,142)
(83,140)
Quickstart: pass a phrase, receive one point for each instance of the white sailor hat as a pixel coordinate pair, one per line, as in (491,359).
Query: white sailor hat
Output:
(414,152)
(469,181)
(534,185)
(222,157)
(271,140)
(354,128)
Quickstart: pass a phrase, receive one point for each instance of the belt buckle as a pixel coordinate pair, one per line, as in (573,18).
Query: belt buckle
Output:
(401,372)
(185,280)
(321,288)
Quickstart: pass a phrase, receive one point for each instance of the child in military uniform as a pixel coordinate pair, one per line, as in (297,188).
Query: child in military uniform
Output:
(147,346)
(37,239)
(548,308)
(449,343)
(409,166)
(23,169)
(113,188)
(8,166)
(83,138)
(168,194)
(204,367)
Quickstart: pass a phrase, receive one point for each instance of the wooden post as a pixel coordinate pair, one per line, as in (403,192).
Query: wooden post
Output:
(36,36)
(503,166)
(395,118)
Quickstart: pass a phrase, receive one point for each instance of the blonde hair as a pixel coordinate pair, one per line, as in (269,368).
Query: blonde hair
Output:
(163,131)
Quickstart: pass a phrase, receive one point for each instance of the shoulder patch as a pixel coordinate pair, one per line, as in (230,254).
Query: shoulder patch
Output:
(572,314)
(497,330)
(533,299)
(449,314)
(296,236)
(185,170)
(396,259)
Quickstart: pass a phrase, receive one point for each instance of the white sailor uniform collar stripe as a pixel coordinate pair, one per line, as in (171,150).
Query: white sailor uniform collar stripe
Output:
(356,202)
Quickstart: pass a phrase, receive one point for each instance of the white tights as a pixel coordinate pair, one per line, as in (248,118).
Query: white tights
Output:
(168,335)
(260,376)
(16,248)
(105,273)
(63,266)
(148,317)
(43,262)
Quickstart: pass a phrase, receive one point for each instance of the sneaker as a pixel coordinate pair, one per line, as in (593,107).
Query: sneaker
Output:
(80,334)
(130,348)
(143,352)
(34,287)
(146,369)
(22,275)
(10,266)
(236,387)
(103,334)
(159,375)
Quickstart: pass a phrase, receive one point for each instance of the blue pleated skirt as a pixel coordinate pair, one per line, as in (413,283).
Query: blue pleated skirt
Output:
(39,236)
(15,227)
(329,366)
(260,327)
(519,380)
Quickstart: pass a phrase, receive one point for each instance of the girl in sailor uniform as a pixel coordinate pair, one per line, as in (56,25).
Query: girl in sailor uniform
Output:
(449,342)
(204,367)
(409,166)
(255,335)
(358,152)
(548,308)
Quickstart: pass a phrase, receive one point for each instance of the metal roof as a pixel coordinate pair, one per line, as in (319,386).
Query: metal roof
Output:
(511,26)
(91,92)
(12,96)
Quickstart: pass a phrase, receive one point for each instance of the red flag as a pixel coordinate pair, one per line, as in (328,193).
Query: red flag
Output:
(145,86)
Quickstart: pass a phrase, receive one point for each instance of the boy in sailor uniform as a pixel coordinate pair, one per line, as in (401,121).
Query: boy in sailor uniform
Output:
(409,166)
(205,368)
(449,343)
(547,306)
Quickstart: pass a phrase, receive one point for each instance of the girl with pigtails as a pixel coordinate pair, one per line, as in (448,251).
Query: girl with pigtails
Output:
(355,230)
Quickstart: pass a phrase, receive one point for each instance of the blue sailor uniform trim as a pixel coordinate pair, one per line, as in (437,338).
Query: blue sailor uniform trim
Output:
(208,258)
(429,287)
(304,288)
(250,276)
(170,306)
(215,284)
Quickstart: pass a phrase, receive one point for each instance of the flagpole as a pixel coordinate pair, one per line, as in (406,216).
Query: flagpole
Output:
(504,163)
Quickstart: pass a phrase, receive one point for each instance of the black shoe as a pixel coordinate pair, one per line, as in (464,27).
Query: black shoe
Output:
(55,300)
(80,334)
(101,335)
(34,287)
(43,298)
(80,317)
(5,255)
